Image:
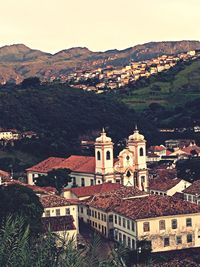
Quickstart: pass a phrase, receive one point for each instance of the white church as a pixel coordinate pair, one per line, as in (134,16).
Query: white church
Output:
(129,168)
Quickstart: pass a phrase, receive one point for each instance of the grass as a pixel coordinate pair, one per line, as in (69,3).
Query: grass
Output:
(185,86)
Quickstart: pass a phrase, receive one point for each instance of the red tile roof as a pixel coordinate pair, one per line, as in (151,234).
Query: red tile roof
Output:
(157,148)
(155,206)
(94,189)
(50,201)
(163,184)
(56,224)
(74,163)
(194,188)
(4,174)
(107,201)
(191,148)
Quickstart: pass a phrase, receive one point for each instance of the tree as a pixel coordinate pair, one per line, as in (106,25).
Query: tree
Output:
(20,200)
(58,178)
(30,82)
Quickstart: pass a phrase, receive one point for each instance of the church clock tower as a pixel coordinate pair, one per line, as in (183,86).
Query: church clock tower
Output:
(104,159)
(137,144)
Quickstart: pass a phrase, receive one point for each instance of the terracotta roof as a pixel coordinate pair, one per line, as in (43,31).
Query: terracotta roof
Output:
(4,174)
(74,163)
(108,201)
(93,189)
(194,188)
(36,189)
(155,206)
(151,154)
(191,148)
(157,148)
(163,184)
(50,201)
(60,223)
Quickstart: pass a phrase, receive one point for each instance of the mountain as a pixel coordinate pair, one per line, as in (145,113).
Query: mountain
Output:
(19,61)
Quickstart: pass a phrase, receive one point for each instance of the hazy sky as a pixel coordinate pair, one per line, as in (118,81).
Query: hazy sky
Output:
(53,25)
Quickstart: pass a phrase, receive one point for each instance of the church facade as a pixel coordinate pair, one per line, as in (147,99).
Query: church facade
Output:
(129,168)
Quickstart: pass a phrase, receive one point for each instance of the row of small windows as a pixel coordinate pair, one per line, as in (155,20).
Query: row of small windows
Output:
(125,223)
(125,240)
(57,213)
(162,226)
(98,215)
(98,226)
(178,240)
(158,193)
(107,155)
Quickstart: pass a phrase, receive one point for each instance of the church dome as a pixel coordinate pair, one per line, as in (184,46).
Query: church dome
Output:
(136,136)
(103,138)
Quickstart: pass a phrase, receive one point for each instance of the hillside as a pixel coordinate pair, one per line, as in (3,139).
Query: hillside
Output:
(170,88)
(18,61)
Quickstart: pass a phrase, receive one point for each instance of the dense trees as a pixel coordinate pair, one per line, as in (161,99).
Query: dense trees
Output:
(58,178)
(21,201)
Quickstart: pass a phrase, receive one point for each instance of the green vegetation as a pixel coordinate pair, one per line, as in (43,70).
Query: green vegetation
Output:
(171,88)
(21,201)
(58,179)
(18,249)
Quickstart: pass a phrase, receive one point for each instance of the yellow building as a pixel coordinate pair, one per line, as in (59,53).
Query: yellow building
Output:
(61,215)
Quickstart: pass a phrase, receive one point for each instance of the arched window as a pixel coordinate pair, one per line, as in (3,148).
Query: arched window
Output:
(128,174)
(108,155)
(98,155)
(141,152)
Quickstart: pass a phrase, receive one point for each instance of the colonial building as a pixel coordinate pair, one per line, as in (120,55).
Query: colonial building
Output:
(192,193)
(60,215)
(127,217)
(128,169)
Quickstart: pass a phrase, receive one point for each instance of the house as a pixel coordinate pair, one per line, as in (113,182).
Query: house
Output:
(158,150)
(168,223)
(192,193)
(89,191)
(97,211)
(164,182)
(63,211)
(191,150)
(127,217)
(128,169)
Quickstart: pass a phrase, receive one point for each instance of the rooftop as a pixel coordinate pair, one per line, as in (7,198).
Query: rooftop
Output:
(50,201)
(194,188)
(74,163)
(155,206)
(94,189)
(163,184)
(60,223)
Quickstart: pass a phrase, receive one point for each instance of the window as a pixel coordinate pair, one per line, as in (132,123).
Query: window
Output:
(108,155)
(128,174)
(124,239)
(57,212)
(124,223)
(127,157)
(133,243)
(91,182)
(129,242)
(92,213)
(162,225)
(116,235)
(110,218)
(120,237)
(98,155)
(141,152)
(95,214)
(189,238)
(82,182)
(166,241)
(133,226)
(104,217)
(128,224)
(174,224)
(190,198)
(88,212)
(142,179)
(67,211)
(178,240)
(115,219)
(98,216)
(47,213)
(119,220)
(146,227)
(188,222)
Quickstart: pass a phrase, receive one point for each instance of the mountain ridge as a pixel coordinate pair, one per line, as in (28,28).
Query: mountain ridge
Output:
(18,61)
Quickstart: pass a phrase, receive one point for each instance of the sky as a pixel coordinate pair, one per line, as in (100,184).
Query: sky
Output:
(54,25)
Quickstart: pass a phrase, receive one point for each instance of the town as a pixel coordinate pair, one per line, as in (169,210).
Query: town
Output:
(111,78)
(127,200)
